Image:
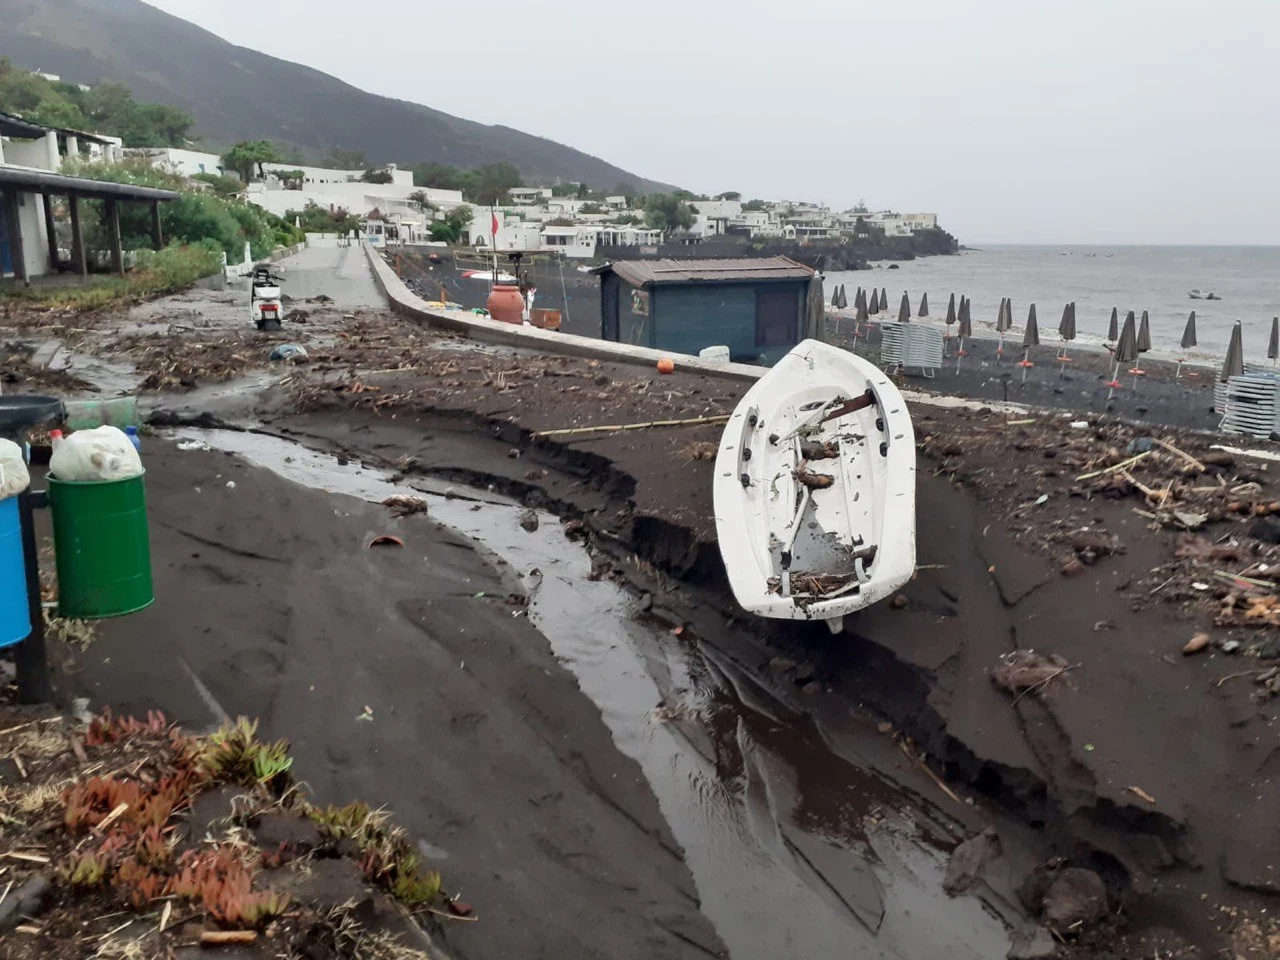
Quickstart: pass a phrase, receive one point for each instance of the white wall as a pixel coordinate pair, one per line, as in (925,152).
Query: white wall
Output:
(322,175)
(35,242)
(188,163)
(359,199)
(27,153)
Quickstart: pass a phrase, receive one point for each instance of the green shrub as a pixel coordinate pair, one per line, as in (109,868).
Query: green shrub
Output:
(155,274)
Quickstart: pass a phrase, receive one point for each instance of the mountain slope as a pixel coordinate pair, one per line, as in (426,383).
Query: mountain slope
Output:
(237,94)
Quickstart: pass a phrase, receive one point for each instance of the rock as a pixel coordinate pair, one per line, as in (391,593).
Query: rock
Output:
(899,602)
(646,601)
(1072,568)
(26,901)
(297,834)
(781,664)
(1032,943)
(884,726)
(574,529)
(1197,643)
(529,520)
(804,673)
(1269,649)
(513,453)
(1075,896)
(1266,529)
(1229,646)
(1139,445)
(968,860)
(813,687)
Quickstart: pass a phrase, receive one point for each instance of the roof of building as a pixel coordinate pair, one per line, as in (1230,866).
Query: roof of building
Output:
(42,181)
(644,272)
(15,126)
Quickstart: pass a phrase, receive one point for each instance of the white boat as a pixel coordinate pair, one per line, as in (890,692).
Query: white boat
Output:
(1198,294)
(815,488)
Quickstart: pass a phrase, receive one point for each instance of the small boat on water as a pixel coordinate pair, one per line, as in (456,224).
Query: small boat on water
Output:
(815,488)
(1198,294)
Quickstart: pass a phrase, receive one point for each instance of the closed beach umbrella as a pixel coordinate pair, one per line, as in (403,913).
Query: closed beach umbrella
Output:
(904,308)
(1126,351)
(884,298)
(951,310)
(1030,338)
(1127,347)
(924,305)
(1273,345)
(835,298)
(1189,334)
(860,299)
(1188,341)
(1113,331)
(964,330)
(1003,323)
(1144,334)
(1233,365)
(844,298)
(1067,331)
(873,305)
(1031,335)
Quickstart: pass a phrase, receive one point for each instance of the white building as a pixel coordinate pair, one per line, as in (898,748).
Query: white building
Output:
(31,163)
(528,195)
(343,190)
(318,176)
(186,163)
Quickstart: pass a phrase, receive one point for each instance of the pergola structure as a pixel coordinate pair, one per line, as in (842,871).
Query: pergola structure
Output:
(16,181)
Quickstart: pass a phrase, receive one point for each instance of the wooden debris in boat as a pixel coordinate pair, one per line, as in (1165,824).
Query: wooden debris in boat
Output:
(820,451)
(814,481)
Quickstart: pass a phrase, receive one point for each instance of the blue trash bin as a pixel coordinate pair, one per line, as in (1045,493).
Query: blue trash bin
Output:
(15,613)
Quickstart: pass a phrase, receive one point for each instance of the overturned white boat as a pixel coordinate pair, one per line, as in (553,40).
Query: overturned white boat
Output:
(815,488)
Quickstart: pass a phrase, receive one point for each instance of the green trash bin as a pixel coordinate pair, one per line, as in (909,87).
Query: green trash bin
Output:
(103,554)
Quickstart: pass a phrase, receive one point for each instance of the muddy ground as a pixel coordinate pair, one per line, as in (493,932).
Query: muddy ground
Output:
(1147,767)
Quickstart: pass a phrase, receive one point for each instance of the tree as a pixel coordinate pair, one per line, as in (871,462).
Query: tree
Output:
(341,158)
(627,219)
(450,228)
(491,183)
(222,185)
(860,206)
(729,195)
(754,205)
(590,207)
(420,200)
(667,211)
(316,219)
(376,176)
(248,156)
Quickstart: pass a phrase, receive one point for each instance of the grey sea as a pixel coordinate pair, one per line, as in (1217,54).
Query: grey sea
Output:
(1156,279)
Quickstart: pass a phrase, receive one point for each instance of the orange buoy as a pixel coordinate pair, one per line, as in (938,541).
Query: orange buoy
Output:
(666,365)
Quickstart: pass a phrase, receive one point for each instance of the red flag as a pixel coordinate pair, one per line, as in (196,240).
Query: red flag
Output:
(494,230)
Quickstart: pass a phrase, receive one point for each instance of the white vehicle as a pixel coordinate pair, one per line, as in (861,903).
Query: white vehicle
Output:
(815,488)
(266,309)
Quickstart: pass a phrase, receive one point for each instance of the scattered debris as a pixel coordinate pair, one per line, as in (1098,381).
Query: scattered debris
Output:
(1197,643)
(1022,671)
(385,540)
(814,481)
(1074,898)
(403,505)
(529,520)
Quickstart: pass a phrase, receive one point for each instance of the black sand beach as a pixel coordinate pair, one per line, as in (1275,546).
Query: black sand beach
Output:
(1144,767)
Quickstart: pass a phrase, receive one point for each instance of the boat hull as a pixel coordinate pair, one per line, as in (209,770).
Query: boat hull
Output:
(815,488)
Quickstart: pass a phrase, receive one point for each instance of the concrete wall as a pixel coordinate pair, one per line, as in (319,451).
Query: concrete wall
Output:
(359,199)
(27,153)
(464,323)
(35,242)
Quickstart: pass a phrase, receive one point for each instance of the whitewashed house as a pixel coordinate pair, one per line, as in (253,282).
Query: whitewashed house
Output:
(186,163)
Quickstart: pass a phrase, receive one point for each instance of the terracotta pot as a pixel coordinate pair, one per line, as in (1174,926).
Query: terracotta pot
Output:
(506,304)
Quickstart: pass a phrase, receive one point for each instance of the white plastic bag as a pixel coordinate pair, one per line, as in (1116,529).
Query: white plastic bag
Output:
(14,477)
(104,453)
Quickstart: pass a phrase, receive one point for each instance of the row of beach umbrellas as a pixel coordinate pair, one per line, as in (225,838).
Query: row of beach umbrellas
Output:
(1131,339)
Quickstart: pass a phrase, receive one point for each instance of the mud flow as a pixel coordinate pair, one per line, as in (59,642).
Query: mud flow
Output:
(795,850)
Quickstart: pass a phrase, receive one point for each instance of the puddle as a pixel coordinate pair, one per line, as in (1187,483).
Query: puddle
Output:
(795,851)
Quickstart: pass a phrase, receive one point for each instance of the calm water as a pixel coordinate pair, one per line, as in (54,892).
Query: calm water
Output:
(1155,279)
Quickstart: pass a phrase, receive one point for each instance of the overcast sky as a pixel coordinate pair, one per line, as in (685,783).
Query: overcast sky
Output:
(1055,121)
